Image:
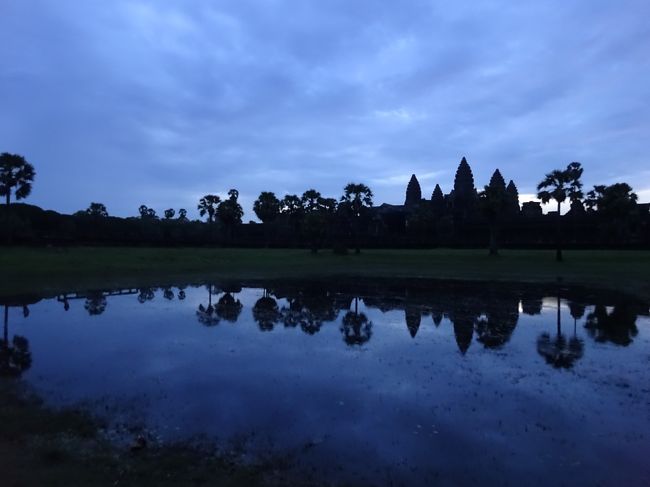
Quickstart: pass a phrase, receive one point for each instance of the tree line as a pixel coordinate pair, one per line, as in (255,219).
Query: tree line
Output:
(341,223)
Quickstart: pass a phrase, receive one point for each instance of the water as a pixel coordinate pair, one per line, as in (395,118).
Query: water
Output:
(410,383)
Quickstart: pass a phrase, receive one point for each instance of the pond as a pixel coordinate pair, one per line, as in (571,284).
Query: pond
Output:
(360,381)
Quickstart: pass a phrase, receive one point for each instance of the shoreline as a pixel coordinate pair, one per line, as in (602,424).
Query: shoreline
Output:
(49,271)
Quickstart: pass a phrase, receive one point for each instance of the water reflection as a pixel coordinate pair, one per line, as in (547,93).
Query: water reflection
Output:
(485,314)
(15,356)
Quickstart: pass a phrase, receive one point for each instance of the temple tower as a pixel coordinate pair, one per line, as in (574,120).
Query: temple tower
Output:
(413,193)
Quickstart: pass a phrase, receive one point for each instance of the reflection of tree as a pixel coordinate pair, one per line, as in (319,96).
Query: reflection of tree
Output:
(266,312)
(618,327)
(413,317)
(206,314)
(228,308)
(95,303)
(146,294)
(356,327)
(181,293)
(309,308)
(495,329)
(168,294)
(15,357)
(560,352)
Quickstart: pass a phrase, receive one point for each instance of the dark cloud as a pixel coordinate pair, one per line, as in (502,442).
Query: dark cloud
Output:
(131,102)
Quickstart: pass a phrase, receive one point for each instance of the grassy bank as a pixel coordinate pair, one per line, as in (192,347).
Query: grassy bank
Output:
(51,270)
(45,447)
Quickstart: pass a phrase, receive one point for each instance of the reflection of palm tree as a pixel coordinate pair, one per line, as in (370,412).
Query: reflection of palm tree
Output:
(206,315)
(266,312)
(181,293)
(618,327)
(228,308)
(15,358)
(168,294)
(146,294)
(95,303)
(557,351)
(501,319)
(356,327)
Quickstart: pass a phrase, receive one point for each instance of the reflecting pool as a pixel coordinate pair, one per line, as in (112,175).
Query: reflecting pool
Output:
(366,381)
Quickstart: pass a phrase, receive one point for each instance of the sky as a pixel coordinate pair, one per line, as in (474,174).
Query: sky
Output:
(130,102)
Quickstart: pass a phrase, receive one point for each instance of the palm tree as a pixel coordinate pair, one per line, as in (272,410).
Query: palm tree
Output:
(207,315)
(616,203)
(291,206)
(493,201)
(208,206)
(97,210)
(266,312)
(169,213)
(355,203)
(267,207)
(230,211)
(182,214)
(15,172)
(559,185)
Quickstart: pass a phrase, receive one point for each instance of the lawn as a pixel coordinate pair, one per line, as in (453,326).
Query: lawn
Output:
(51,270)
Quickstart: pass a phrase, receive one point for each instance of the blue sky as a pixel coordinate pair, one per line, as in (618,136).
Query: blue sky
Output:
(157,103)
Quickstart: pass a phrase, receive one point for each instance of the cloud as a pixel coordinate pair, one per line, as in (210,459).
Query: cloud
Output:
(134,101)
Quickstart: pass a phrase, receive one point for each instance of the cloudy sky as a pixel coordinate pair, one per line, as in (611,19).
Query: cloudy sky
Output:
(148,102)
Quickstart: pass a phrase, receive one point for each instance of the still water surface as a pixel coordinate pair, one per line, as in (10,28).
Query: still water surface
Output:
(378,382)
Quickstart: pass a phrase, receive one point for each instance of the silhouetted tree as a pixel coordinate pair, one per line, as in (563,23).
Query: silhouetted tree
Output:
(355,204)
(97,210)
(147,213)
(267,207)
(230,212)
(493,201)
(15,172)
(559,185)
(169,213)
(291,206)
(208,206)
(317,218)
(182,215)
(615,203)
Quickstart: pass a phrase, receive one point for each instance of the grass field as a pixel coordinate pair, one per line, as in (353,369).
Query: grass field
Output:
(52,270)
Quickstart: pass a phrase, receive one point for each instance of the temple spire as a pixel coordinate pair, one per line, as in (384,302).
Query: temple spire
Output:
(413,192)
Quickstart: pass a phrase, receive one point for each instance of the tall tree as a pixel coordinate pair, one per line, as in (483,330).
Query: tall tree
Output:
(559,185)
(147,213)
(355,205)
(291,206)
(318,217)
(169,213)
(97,210)
(230,211)
(182,214)
(208,206)
(267,207)
(15,172)
(613,201)
(493,202)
